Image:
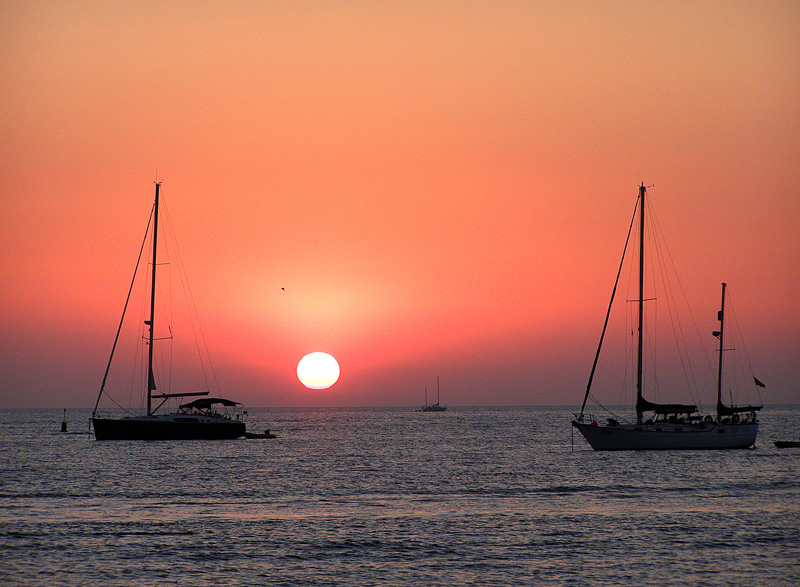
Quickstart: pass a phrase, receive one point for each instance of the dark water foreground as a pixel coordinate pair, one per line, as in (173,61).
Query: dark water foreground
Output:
(472,496)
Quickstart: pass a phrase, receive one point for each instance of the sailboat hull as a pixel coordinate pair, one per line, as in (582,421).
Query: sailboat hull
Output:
(667,436)
(167,427)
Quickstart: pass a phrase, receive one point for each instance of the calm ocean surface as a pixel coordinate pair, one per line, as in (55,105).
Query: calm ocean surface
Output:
(357,497)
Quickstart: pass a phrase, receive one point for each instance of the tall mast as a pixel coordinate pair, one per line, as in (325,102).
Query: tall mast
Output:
(639,398)
(721,318)
(151,380)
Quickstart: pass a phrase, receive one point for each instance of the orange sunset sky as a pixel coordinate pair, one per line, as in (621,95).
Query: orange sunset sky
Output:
(441,188)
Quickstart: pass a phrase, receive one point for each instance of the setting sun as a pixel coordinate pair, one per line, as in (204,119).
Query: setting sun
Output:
(318,370)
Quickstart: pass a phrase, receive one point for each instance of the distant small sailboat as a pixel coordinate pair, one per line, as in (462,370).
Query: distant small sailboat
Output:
(199,419)
(437,407)
(668,426)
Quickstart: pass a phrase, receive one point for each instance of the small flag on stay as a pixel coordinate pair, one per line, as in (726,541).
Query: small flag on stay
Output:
(758,383)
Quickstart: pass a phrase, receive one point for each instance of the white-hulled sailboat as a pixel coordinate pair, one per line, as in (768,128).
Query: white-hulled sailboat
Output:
(206,418)
(668,426)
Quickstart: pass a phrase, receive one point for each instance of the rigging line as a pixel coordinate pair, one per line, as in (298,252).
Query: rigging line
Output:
(139,371)
(116,403)
(139,365)
(686,302)
(184,282)
(660,275)
(739,339)
(119,328)
(677,325)
(194,316)
(164,354)
(608,312)
(629,353)
(656,247)
(171,249)
(609,411)
(652,322)
(629,340)
(666,262)
(136,364)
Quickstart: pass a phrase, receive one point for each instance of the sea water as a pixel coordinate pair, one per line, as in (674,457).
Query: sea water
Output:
(471,496)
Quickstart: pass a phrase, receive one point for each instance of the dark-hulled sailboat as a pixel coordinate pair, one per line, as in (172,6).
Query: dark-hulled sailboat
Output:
(202,419)
(437,407)
(661,426)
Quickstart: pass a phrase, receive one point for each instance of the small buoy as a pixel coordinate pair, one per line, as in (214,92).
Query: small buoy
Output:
(64,422)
